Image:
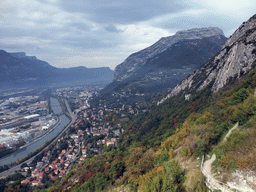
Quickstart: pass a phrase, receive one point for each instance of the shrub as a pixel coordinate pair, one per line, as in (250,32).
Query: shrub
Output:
(116,170)
(170,178)
(161,157)
(238,97)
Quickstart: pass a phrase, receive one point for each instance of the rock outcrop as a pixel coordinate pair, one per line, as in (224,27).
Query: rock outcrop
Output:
(234,60)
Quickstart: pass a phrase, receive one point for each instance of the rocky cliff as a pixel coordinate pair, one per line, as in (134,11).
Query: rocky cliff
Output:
(234,60)
(136,60)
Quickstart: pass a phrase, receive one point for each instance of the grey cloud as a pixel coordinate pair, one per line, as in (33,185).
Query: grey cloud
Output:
(78,36)
(188,22)
(88,42)
(112,28)
(122,12)
(78,26)
(41,33)
(20,47)
(12,32)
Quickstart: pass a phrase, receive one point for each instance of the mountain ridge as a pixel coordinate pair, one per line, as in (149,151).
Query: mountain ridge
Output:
(235,59)
(125,69)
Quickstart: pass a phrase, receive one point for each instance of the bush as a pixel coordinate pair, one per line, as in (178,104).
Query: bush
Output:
(96,183)
(170,178)
(239,97)
(161,157)
(117,169)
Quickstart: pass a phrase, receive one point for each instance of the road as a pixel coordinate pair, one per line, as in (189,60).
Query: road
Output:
(79,148)
(10,171)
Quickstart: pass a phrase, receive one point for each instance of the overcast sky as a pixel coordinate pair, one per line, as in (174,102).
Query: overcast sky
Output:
(95,33)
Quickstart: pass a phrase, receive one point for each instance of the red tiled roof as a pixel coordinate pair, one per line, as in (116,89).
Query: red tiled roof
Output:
(35,173)
(54,178)
(25,181)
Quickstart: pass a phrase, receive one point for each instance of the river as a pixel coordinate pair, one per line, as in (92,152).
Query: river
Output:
(21,153)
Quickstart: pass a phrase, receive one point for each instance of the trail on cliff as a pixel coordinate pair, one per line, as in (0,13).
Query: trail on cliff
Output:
(207,167)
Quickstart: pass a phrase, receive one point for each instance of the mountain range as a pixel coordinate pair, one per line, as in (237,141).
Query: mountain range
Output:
(168,61)
(17,69)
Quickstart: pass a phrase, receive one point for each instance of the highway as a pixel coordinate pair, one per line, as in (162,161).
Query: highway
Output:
(10,171)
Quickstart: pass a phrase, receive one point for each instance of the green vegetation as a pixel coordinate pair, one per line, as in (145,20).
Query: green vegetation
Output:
(168,177)
(14,183)
(155,147)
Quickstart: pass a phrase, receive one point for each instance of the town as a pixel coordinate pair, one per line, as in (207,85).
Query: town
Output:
(96,129)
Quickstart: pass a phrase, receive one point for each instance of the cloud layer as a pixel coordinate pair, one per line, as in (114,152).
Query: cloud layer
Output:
(96,33)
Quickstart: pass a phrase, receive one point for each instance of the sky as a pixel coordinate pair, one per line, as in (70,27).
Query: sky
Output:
(100,33)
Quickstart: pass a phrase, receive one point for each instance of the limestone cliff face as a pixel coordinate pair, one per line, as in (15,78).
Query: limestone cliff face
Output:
(235,59)
(136,60)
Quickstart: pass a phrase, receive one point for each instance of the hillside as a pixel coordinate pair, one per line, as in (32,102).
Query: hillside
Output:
(17,69)
(166,145)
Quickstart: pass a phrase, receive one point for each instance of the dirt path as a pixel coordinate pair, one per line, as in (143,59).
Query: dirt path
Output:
(212,183)
(230,131)
(208,164)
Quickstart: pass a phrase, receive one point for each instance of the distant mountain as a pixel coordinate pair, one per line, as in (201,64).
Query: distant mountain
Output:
(136,60)
(234,60)
(168,61)
(17,69)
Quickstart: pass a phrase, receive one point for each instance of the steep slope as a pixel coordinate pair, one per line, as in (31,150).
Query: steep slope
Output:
(17,69)
(234,60)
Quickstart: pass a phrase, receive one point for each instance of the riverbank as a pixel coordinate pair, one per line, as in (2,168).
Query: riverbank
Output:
(39,143)
(41,136)
(44,147)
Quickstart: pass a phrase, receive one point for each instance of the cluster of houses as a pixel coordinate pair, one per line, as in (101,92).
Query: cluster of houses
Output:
(100,124)
(51,170)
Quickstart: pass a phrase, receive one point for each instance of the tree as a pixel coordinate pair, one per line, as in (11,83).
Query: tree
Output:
(117,169)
